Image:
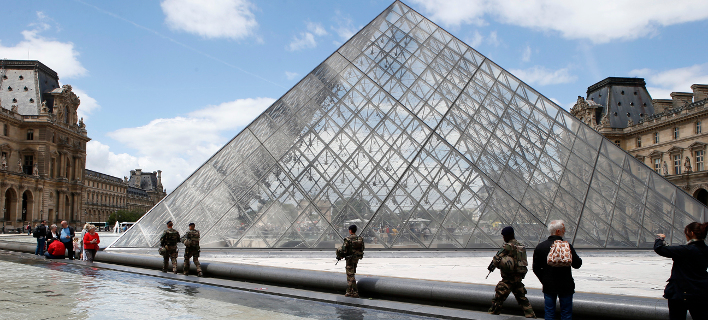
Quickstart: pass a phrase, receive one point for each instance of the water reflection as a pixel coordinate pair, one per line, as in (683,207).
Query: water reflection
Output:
(32,286)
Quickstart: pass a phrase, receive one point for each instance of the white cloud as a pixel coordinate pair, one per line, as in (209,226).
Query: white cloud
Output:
(88,104)
(661,83)
(291,75)
(599,22)
(476,39)
(59,56)
(526,55)
(177,146)
(305,40)
(492,39)
(316,28)
(231,19)
(541,76)
(345,27)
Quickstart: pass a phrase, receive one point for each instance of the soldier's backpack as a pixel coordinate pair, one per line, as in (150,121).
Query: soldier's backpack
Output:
(172,238)
(358,247)
(515,263)
(192,239)
(560,255)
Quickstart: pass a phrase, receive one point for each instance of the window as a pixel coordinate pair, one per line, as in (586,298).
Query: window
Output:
(677,164)
(639,142)
(30,134)
(699,160)
(698,127)
(27,168)
(4,129)
(617,142)
(657,165)
(676,133)
(656,137)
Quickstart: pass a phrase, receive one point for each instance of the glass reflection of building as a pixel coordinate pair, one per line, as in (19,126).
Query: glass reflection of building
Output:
(422,142)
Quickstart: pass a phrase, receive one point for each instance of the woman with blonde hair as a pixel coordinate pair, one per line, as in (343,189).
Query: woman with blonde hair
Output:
(91,241)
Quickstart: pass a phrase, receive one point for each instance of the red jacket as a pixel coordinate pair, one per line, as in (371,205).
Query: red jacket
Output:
(87,241)
(56,248)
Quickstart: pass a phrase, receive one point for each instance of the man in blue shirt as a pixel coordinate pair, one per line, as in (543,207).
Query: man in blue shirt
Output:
(67,238)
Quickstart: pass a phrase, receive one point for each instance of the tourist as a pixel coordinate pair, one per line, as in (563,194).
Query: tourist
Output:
(29,229)
(82,256)
(55,251)
(557,281)
(52,235)
(91,241)
(41,234)
(67,235)
(687,288)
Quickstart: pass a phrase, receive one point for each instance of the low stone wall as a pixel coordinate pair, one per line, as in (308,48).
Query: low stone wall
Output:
(585,305)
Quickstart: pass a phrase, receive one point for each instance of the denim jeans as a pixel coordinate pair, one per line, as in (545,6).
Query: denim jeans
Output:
(40,246)
(566,306)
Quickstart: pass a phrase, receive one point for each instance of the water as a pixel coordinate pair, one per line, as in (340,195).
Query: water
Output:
(34,288)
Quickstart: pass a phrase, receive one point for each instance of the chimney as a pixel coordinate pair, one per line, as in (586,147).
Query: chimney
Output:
(661,105)
(681,98)
(159,177)
(700,92)
(138,172)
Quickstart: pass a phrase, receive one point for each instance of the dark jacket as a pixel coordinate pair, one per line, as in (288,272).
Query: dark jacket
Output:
(689,278)
(555,280)
(41,231)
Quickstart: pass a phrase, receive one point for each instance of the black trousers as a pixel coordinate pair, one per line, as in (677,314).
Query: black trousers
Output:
(678,309)
(70,247)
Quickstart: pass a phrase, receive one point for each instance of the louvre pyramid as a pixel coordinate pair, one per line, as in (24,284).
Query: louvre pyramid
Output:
(422,142)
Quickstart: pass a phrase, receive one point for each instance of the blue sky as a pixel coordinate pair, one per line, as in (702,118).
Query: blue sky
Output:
(164,84)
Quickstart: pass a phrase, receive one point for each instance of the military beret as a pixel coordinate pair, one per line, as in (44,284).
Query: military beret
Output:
(507,231)
(191,224)
(169,222)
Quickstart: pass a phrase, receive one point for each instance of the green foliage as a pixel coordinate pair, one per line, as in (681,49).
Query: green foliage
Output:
(124,216)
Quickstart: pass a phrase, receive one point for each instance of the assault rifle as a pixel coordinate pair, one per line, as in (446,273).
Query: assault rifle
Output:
(345,258)
(491,269)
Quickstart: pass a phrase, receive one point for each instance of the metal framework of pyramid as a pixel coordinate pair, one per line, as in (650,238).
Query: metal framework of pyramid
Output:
(422,142)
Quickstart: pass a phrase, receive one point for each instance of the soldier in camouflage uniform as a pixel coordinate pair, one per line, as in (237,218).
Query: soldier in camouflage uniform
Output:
(168,241)
(191,249)
(512,263)
(351,251)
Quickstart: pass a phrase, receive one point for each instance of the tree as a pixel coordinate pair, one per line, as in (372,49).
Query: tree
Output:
(124,216)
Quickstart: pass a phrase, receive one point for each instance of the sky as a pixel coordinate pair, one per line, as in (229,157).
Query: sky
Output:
(164,84)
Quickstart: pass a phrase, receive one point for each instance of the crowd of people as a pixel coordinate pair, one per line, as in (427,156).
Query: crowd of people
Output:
(62,243)
(553,261)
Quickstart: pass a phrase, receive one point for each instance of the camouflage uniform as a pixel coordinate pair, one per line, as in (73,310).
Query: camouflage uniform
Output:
(512,263)
(191,250)
(169,240)
(353,249)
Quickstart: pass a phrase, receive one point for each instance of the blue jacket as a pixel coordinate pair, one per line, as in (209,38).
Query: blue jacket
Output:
(689,278)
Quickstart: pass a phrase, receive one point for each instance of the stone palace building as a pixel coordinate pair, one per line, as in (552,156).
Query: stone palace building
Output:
(668,135)
(43,145)
(43,159)
(106,194)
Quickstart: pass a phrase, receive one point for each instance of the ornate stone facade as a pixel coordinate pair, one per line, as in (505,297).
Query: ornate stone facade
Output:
(670,137)
(43,145)
(104,194)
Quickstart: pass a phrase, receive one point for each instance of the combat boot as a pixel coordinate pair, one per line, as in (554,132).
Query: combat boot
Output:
(199,274)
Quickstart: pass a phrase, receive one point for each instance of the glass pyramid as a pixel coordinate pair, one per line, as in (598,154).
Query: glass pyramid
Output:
(422,142)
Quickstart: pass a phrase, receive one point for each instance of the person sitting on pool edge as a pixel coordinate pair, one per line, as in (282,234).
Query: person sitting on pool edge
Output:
(55,251)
